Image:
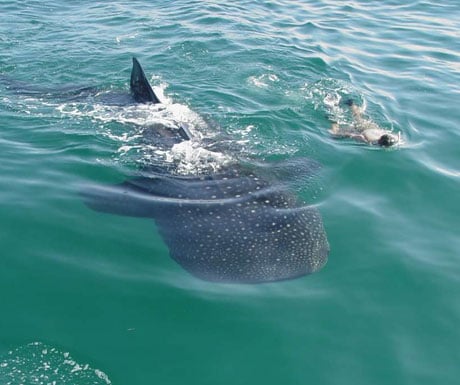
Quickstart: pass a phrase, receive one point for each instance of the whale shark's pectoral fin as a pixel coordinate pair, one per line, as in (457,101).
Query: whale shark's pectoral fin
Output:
(127,198)
(140,87)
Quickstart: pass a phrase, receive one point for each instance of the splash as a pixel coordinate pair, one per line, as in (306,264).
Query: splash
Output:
(331,97)
(40,364)
(192,158)
(144,133)
(326,96)
(263,81)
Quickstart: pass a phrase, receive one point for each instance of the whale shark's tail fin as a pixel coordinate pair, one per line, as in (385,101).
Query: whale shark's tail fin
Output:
(140,87)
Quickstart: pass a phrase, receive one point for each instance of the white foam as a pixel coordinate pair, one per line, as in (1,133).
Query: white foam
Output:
(191,157)
(37,363)
(133,125)
(120,38)
(263,81)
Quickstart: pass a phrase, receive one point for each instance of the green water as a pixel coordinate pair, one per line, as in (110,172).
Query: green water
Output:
(103,288)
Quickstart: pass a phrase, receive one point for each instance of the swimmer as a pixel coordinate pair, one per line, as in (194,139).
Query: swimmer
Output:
(364,130)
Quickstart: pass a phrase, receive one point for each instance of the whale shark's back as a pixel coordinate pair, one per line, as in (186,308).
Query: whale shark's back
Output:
(230,227)
(254,244)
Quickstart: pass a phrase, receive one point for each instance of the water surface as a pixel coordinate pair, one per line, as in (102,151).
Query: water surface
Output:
(102,288)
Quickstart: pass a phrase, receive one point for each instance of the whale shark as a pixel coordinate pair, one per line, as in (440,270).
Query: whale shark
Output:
(241,223)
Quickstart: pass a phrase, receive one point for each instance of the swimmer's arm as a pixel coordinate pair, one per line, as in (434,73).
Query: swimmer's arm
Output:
(341,132)
(338,135)
(358,137)
(335,132)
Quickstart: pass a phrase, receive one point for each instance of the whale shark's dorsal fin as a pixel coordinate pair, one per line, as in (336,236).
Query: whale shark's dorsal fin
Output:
(140,87)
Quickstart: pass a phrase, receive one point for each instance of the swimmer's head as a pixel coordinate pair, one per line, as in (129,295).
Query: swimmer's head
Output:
(387,140)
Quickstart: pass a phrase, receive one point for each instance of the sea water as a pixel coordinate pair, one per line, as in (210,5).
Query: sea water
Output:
(92,298)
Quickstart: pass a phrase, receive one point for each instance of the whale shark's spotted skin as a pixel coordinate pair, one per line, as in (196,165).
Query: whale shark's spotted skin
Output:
(226,227)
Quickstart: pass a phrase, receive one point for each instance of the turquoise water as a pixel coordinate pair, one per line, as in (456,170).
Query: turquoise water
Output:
(87,288)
